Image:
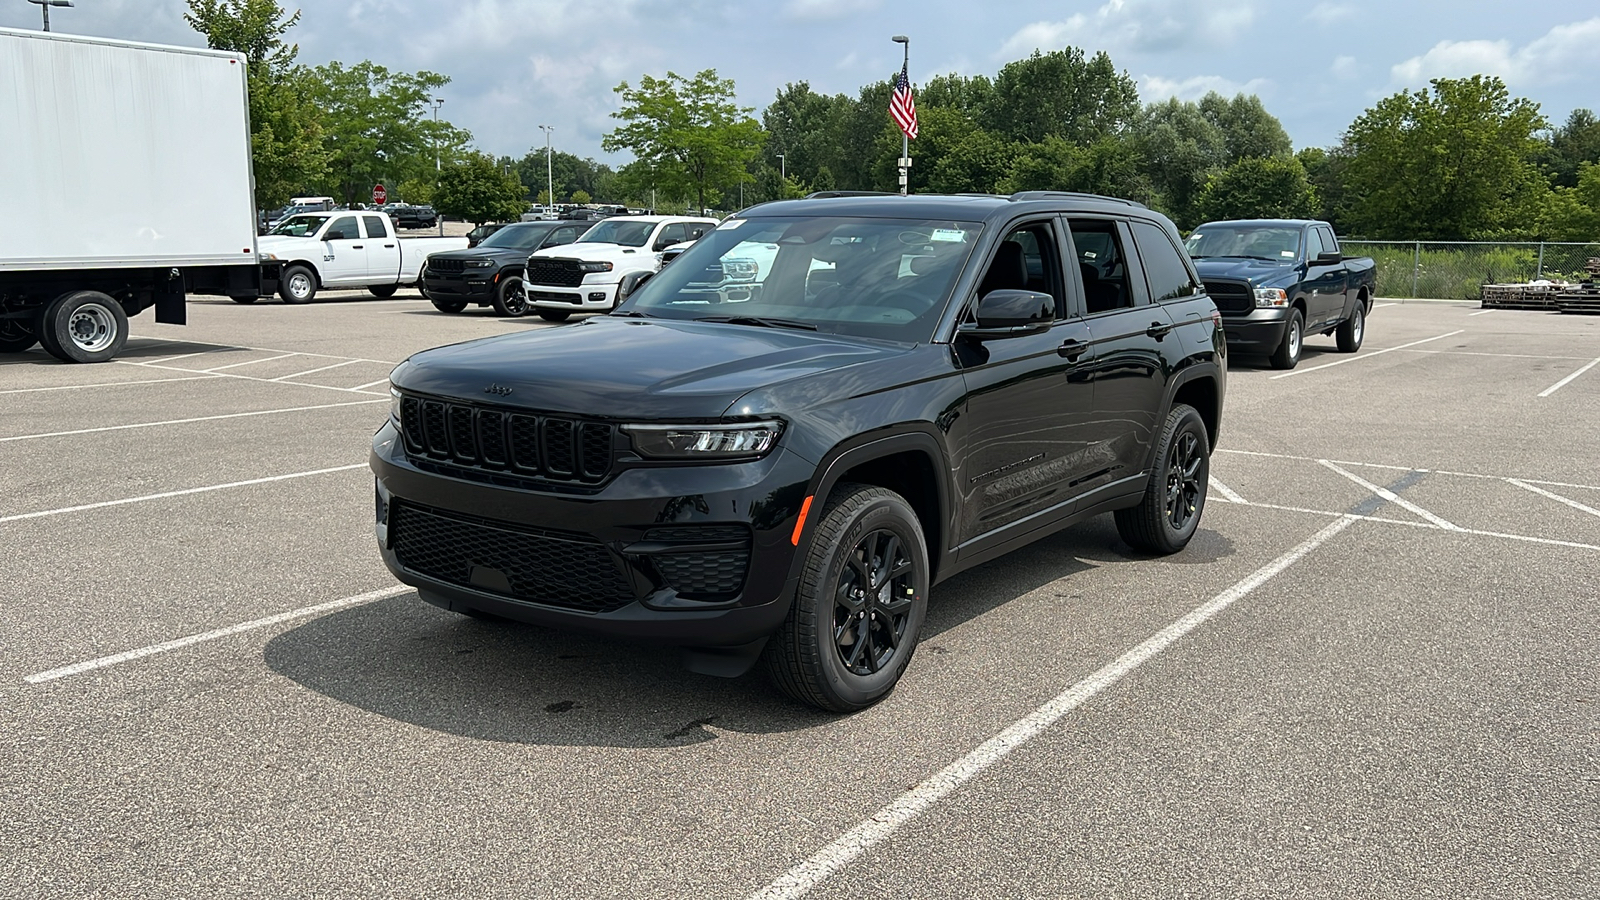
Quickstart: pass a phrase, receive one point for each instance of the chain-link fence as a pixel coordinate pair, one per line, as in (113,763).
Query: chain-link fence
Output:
(1458,270)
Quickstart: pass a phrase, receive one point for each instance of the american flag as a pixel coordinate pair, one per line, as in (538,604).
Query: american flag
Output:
(903,107)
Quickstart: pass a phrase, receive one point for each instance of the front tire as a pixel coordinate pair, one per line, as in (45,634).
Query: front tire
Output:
(244,300)
(1169,513)
(1353,329)
(83,327)
(384,291)
(511,298)
(298,285)
(554,315)
(1287,356)
(448,306)
(859,609)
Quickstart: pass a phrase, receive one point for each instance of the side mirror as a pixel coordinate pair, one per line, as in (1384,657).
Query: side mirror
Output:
(1011,313)
(1328,258)
(662,244)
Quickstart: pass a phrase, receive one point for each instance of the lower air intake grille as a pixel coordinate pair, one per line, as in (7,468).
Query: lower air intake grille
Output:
(553,568)
(704,573)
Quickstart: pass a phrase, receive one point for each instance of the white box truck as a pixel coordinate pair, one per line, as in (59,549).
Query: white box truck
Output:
(125,183)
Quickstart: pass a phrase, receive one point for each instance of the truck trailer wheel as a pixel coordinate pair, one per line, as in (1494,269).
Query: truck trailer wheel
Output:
(298,285)
(83,327)
(859,608)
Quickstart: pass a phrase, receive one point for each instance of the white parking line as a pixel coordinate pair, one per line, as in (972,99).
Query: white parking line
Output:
(1569,379)
(251,362)
(239,415)
(833,858)
(1392,497)
(1363,356)
(79,387)
(1382,305)
(183,493)
(1474,532)
(167,359)
(362,387)
(325,387)
(1226,492)
(1481,312)
(348,362)
(1370,465)
(104,661)
(265,350)
(1497,355)
(1556,497)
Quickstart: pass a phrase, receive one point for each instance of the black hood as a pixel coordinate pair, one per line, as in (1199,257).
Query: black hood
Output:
(617,368)
(501,255)
(1260,272)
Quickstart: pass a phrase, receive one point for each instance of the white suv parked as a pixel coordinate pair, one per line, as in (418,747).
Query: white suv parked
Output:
(603,267)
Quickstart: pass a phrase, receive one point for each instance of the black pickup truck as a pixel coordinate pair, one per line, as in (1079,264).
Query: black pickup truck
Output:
(1277,280)
(906,387)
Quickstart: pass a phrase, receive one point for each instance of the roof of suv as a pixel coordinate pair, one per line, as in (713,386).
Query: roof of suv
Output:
(938,206)
(659,219)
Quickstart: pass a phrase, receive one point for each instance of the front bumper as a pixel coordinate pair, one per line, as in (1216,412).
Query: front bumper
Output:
(1258,331)
(618,525)
(476,287)
(583,298)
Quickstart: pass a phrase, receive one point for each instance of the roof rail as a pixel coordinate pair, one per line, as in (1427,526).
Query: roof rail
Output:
(826,195)
(1072,195)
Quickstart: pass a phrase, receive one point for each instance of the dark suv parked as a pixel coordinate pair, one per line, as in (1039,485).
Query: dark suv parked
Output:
(415,217)
(906,387)
(491,273)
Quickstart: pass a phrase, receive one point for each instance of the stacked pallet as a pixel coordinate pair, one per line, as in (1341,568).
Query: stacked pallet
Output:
(1583,297)
(1539,295)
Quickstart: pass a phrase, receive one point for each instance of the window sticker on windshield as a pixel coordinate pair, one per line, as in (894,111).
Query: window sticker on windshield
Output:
(954,235)
(1286,254)
(730,223)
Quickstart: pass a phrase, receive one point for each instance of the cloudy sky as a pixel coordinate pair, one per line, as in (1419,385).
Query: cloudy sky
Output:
(518,63)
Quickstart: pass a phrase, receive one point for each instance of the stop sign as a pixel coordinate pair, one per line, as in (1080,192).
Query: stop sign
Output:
(379,195)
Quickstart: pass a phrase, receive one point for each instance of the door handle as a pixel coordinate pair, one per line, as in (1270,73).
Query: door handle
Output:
(1158,330)
(355,246)
(1071,349)
(388,246)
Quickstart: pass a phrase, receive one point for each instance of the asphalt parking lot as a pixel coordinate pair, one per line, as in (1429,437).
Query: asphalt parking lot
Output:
(1372,673)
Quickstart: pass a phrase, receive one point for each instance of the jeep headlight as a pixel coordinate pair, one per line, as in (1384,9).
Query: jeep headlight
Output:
(1267,298)
(746,439)
(394,405)
(479,263)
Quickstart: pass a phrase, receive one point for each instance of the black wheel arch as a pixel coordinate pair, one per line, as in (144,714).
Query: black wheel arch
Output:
(1199,385)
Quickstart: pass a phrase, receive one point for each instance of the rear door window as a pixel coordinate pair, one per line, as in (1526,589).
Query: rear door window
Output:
(1103,265)
(1167,274)
(375,226)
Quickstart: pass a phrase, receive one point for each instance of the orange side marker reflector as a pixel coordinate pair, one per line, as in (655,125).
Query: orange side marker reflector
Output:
(800,523)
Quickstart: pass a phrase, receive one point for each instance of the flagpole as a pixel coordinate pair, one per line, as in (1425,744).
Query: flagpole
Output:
(905,139)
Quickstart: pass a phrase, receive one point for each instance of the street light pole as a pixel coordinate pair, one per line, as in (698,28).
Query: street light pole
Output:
(437,102)
(783,177)
(44,5)
(905,139)
(549,173)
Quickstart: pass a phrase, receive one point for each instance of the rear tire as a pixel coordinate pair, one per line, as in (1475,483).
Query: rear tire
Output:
(83,327)
(383,290)
(1169,513)
(298,285)
(511,298)
(245,300)
(858,611)
(448,306)
(554,315)
(1353,329)
(1287,356)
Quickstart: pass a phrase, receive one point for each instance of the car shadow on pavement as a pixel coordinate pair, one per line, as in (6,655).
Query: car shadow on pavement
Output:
(496,681)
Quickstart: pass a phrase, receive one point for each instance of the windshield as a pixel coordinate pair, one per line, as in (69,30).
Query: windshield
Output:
(516,237)
(1274,242)
(611,231)
(885,278)
(299,226)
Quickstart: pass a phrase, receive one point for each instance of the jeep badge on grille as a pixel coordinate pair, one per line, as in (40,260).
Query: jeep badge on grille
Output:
(502,390)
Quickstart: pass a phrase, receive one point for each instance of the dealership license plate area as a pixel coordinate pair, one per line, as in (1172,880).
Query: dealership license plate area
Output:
(1371,672)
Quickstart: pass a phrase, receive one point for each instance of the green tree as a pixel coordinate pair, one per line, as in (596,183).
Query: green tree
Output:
(479,190)
(690,131)
(1181,149)
(581,197)
(1063,94)
(1259,187)
(418,191)
(286,146)
(379,126)
(1110,166)
(1449,163)
(1576,142)
(1248,130)
(1325,170)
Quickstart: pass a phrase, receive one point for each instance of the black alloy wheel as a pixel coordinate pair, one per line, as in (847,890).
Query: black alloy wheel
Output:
(1184,463)
(1168,514)
(448,306)
(872,603)
(511,298)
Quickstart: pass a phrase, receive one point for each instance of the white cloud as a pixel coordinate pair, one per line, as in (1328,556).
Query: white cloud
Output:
(826,10)
(1329,13)
(1153,88)
(1344,67)
(1563,53)
(1138,25)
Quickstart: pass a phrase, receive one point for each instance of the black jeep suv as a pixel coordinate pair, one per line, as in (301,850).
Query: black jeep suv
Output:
(491,273)
(904,387)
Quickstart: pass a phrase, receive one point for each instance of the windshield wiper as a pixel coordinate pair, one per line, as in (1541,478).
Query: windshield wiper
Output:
(761,321)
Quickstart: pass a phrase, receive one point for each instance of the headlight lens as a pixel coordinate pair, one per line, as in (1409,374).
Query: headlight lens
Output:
(594,267)
(394,405)
(740,269)
(746,439)
(479,263)
(1267,298)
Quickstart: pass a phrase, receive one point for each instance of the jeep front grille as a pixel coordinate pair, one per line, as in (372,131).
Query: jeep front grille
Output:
(531,445)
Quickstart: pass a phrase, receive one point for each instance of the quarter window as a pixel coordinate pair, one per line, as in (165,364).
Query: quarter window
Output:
(375,227)
(1103,265)
(1169,278)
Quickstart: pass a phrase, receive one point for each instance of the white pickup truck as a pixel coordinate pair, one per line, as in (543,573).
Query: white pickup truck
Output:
(310,251)
(603,267)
